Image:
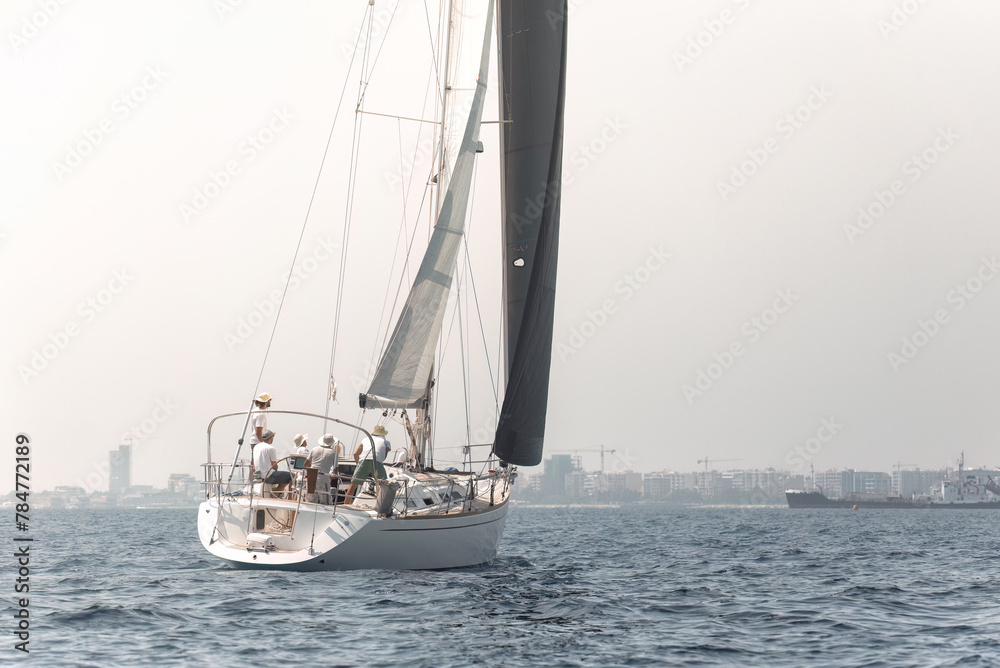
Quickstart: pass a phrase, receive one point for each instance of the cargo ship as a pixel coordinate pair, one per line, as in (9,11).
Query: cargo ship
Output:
(968,491)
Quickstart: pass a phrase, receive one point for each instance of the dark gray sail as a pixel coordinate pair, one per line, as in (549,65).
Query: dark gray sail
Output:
(533,71)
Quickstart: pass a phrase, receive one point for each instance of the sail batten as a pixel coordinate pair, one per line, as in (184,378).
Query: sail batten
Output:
(401,378)
(533,70)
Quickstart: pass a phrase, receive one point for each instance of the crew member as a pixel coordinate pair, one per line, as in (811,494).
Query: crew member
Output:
(367,468)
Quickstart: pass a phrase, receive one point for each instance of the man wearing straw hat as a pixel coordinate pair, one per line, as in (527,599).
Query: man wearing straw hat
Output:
(258,423)
(323,457)
(367,468)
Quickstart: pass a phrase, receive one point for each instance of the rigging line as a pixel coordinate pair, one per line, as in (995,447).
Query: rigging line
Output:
(442,348)
(349,205)
(385,37)
(465,383)
(409,249)
(475,294)
(431,42)
(399,286)
(399,118)
(298,245)
(446,339)
(416,149)
(462,334)
(343,251)
(459,277)
(365,70)
(403,233)
(401,237)
(456,59)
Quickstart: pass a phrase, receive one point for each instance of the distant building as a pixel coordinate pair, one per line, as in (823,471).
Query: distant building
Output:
(184,484)
(625,483)
(844,482)
(907,482)
(748,480)
(557,468)
(660,485)
(708,483)
(579,484)
(120,476)
(531,482)
(69,497)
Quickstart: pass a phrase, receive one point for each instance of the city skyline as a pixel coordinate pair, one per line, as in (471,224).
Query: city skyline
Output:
(758,242)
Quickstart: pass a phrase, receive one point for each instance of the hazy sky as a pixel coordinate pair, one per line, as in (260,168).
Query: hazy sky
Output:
(779,224)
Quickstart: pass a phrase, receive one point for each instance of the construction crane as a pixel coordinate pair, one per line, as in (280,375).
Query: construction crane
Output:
(600,449)
(706,461)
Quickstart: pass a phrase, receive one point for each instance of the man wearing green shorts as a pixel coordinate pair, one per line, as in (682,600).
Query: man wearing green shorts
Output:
(371,466)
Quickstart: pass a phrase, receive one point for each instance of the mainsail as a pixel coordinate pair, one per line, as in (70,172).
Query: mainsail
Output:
(533,73)
(401,379)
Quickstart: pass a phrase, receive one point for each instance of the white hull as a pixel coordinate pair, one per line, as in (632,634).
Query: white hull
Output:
(345,538)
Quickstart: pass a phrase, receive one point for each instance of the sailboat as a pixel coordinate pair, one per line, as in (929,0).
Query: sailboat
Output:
(414,516)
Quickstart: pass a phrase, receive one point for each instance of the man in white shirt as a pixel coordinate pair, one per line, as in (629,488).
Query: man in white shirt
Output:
(265,462)
(323,458)
(367,468)
(258,422)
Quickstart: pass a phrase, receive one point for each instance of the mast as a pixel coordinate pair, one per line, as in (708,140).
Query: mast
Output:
(440,178)
(441,174)
(404,377)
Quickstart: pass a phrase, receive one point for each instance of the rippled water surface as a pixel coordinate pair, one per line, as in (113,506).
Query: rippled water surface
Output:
(571,587)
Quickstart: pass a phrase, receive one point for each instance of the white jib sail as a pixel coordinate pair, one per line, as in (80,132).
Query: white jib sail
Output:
(401,378)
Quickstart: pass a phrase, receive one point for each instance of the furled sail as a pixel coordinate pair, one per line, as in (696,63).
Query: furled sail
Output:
(533,71)
(401,379)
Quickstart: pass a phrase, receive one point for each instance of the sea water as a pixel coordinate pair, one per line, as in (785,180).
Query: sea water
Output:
(571,587)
